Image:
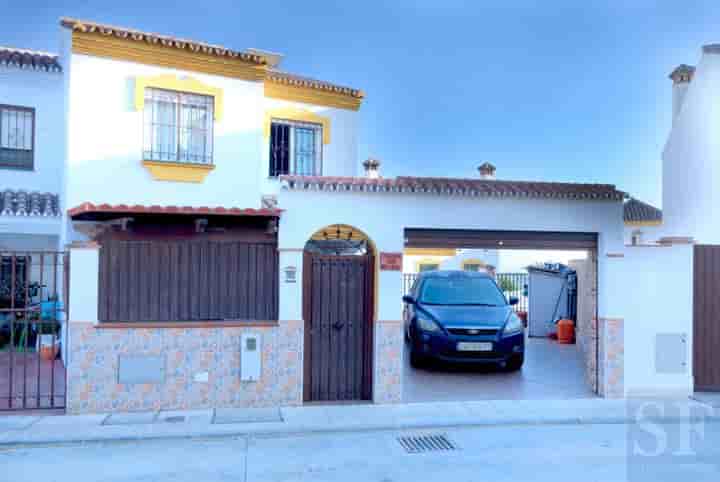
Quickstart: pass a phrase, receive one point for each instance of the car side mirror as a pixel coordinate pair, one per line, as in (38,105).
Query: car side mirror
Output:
(408,299)
(513,300)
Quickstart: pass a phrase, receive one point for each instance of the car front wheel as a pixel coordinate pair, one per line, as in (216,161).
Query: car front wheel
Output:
(515,363)
(416,360)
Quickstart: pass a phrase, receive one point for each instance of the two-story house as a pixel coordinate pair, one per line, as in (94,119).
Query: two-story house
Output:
(175,151)
(32,149)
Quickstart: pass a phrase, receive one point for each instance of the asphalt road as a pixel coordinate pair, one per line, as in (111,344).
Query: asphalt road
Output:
(508,453)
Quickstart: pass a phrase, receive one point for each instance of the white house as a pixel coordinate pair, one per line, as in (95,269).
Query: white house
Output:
(32,149)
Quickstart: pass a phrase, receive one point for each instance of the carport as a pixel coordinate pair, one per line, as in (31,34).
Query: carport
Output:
(551,370)
(398,213)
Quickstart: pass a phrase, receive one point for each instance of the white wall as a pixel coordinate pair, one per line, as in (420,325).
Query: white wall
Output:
(106,140)
(383,216)
(652,291)
(43,92)
(691,159)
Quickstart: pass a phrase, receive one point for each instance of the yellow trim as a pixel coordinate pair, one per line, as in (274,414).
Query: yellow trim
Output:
(309,95)
(473,261)
(643,223)
(430,252)
(130,50)
(178,84)
(426,261)
(178,172)
(300,115)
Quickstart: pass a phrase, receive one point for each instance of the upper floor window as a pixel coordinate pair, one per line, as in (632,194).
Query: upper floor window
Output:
(475,267)
(295,148)
(422,267)
(17,133)
(178,127)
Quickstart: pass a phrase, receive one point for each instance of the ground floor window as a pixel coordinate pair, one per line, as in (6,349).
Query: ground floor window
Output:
(188,280)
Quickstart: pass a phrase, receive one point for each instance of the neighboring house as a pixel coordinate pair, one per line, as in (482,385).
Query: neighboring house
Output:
(418,260)
(691,157)
(641,222)
(32,149)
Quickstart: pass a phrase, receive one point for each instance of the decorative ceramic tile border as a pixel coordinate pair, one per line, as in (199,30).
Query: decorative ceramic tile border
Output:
(388,363)
(611,345)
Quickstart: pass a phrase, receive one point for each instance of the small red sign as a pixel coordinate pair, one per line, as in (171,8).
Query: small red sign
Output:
(391,261)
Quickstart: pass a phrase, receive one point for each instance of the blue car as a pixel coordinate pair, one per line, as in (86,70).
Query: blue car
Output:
(462,317)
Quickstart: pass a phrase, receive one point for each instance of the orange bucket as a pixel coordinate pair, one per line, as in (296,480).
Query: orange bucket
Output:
(565,331)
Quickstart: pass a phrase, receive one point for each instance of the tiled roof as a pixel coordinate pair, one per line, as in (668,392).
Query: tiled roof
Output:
(86,26)
(29,203)
(635,211)
(286,78)
(94,209)
(456,187)
(29,59)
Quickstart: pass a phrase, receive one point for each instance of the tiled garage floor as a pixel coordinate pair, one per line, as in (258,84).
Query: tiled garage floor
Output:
(551,371)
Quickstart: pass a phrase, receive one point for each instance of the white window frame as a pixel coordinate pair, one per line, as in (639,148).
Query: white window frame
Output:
(318,133)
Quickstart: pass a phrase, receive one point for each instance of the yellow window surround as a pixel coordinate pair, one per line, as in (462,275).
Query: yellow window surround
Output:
(471,261)
(300,115)
(178,84)
(178,171)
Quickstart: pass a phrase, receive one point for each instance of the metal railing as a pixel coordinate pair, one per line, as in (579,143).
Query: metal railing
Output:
(33,300)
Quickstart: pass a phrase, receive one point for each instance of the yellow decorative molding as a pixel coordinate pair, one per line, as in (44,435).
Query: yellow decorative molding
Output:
(128,49)
(178,84)
(430,252)
(310,95)
(643,223)
(300,115)
(177,171)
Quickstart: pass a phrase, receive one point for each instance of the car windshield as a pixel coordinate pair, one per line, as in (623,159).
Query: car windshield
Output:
(461,291)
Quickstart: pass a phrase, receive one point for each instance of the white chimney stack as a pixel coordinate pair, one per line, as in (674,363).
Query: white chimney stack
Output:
(372,168)
(681,77)
(487,171)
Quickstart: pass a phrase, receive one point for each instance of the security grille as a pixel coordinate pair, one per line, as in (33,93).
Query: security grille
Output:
(415,444)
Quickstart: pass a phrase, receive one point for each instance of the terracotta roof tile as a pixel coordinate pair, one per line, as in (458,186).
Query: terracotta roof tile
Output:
(635,211)
(90,208)
(456,187)
(29,59)
(86,26)
(286,78)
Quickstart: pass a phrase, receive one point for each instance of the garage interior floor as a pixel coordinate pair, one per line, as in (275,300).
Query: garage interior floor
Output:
(551,371)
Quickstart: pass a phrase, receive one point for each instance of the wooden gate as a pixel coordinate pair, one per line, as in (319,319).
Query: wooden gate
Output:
(706,318)
(337,308)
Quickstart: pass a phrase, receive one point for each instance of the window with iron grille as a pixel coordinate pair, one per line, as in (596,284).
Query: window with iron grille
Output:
(295,148)
(472,267)
(17,135)
(178,127)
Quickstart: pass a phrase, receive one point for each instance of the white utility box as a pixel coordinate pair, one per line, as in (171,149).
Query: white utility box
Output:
(250,357)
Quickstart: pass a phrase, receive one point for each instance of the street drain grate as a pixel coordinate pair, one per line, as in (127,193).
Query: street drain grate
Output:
(175,419)
(415,444)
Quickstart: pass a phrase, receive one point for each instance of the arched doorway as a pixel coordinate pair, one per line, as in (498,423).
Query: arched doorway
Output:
(338,303)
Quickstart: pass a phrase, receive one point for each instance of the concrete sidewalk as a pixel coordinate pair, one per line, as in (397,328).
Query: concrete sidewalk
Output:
(31,430)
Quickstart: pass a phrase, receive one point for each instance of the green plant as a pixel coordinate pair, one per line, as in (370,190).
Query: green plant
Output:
(507,284)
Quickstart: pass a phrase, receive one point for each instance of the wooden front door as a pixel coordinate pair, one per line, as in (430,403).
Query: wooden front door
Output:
(706,318)
(338,301)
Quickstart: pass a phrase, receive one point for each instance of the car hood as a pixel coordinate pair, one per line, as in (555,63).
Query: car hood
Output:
(468,316)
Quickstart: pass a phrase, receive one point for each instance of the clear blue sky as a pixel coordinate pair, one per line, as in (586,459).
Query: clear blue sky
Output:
(546,90)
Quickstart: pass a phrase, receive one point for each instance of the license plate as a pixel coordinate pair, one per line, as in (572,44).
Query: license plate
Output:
(474,346)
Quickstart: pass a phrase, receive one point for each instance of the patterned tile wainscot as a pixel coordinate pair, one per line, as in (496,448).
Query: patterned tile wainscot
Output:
(189,354)
(388,364)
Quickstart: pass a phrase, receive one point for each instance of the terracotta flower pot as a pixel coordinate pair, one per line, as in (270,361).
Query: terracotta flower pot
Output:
(49,352)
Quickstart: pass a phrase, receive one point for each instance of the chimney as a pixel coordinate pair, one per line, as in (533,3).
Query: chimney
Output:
(681,78)
(487,171)
(372,168)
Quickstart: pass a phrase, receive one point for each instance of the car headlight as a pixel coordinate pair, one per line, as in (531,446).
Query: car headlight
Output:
(513,326)
(428,325)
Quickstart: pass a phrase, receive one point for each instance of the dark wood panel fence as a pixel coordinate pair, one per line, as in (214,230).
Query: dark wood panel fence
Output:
(188,281)
(706,318)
